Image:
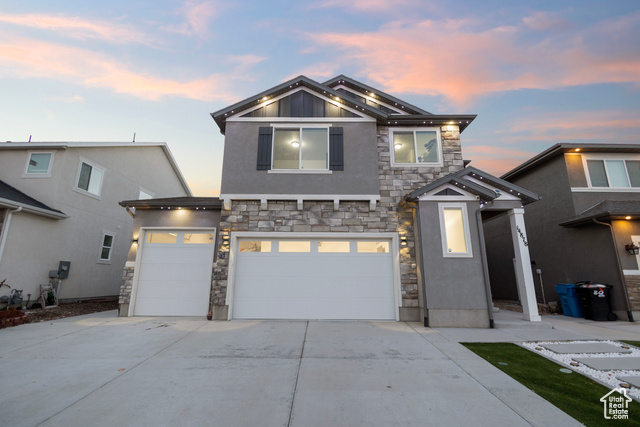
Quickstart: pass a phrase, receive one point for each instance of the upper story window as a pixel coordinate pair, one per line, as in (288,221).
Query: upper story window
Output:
(39,164)
(613,173)
(299,149)
(89,178)
(415,146)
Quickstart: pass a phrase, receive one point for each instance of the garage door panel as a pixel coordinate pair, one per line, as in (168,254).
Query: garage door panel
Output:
(277,285)
(174,279)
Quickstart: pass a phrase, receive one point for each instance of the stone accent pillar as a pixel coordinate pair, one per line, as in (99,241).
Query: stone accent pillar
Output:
(125,291)
(633,291)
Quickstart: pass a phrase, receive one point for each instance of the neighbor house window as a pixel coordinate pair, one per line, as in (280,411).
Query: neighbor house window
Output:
(39,164)
(454,227)
(90,178)
(106,248)
(144,194)
(301,148)
(420,146)
(614,173)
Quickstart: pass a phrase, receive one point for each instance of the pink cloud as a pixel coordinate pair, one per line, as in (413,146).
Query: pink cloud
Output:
(456,60)
(29,58)
(495,160)
(78,28)
(371,6)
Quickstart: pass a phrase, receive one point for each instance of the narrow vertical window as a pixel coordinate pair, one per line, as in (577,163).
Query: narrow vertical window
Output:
(455,231)
(106,248)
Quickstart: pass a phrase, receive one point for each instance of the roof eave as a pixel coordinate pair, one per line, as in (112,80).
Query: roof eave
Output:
(53,214)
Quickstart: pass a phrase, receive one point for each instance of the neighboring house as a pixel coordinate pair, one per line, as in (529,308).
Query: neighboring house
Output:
(338,201)
(590,210)
(59,202)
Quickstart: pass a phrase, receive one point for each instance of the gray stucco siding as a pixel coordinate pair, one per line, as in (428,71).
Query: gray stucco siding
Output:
(451,283)
(240,175)
(575,170)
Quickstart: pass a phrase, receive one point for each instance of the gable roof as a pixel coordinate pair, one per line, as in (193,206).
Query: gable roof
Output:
(415,116)
(60,145)
(464,179)
(12,198)
(607,209)
(562,148)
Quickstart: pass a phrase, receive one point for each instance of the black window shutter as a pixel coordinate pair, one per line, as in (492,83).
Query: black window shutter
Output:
(336,149)
(264,148)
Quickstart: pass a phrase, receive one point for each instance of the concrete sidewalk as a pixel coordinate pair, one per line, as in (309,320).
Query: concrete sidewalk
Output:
(104,370)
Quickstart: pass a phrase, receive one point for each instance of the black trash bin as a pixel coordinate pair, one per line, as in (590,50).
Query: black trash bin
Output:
(595,301)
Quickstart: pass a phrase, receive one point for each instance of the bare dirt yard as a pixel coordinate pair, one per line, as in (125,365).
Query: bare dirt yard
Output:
(69,310)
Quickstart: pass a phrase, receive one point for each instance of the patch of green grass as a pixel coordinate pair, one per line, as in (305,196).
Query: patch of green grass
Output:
(633,343)
(575,394)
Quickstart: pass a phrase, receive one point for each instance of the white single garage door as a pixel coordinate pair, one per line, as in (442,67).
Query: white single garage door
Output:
(314,279)
(175,273)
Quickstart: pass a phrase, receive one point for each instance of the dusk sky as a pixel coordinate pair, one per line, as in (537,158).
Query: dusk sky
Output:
(536,72)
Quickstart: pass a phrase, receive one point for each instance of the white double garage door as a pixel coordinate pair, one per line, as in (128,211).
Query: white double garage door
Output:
(312,276)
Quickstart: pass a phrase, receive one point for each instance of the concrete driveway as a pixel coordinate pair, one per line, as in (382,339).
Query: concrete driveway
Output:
(101,370)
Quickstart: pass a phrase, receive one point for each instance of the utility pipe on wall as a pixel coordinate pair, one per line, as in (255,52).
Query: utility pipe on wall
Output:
(485,264)
(5,228)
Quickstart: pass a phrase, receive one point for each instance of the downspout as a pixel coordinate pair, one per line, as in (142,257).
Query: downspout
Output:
(418,236)
(5,228)
(615,250)
(485,264)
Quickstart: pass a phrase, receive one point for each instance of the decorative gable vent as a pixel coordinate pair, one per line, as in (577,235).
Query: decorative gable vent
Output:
(301,104)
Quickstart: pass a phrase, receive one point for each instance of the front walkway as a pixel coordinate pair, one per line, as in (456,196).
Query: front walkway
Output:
(104,370)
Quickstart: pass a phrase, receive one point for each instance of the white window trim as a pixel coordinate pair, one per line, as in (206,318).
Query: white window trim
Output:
(299,127)
(113,241)
(443,232)
(144,190)
(414,130)
(394,251)
(93,166)
(604,158)
(142,237)
(27,174)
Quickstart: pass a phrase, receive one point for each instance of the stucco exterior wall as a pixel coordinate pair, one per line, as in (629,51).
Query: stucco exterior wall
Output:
(455,290)
(239,174)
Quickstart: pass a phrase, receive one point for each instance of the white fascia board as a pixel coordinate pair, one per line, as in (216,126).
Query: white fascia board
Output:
(502,196)
(431,195)
(377,101)
(11,204)
(237,117)
(335,198)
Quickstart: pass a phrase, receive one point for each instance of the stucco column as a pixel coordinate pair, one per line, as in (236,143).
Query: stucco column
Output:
(524,277)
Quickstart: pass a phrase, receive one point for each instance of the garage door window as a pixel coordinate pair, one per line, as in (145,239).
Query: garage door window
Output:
(166,238)
(295,246)
(334,247)
(255,246)
(198,238)
(373,247)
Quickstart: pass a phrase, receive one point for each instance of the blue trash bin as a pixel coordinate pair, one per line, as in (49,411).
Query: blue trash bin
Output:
(571,303)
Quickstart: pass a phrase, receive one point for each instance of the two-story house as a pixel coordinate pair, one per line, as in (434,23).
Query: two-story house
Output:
(579,230)
(338,201)
(59,202)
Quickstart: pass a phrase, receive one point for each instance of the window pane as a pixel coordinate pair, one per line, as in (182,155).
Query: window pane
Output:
(162,238)
(198,238)
(597,174)
(373,247)
(255,246)
(427,143)
(39,163)
(333,246)
(294,246)
(454,230)
(617,173)
(95,181)
(633,168)
(286,149)
(403,147)
(104,254)
(108,241)
(315,149)
(85,174)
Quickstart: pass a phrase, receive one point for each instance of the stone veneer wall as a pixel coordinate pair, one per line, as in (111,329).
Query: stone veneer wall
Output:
(125,290)
(319,216)
(633,290)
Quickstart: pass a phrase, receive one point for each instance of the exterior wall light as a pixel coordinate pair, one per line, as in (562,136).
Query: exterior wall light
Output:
(403,240)
(632,249)
(135,241)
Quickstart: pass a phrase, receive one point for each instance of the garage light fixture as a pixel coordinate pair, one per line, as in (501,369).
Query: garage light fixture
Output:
(403,240)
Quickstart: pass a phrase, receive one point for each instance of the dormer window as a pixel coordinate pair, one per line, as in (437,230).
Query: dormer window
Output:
(415,146)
